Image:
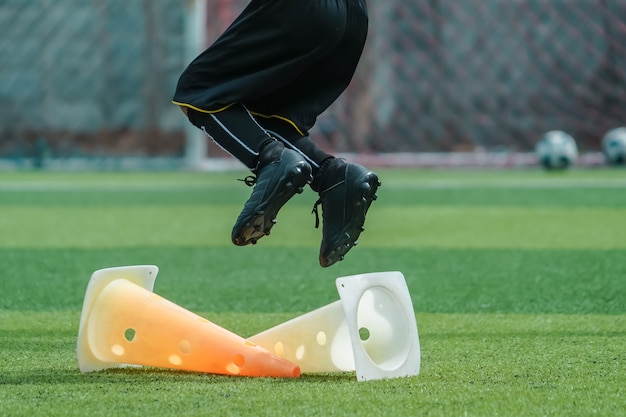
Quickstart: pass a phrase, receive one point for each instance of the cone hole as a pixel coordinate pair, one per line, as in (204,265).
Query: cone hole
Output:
(175,360)
(300,352)
(118,350)
(321,338)
(239,360)
(235,366)
(185,347)
(364,333)
(129,334)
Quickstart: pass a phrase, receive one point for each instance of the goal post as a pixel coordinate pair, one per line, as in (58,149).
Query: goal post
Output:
(196,146)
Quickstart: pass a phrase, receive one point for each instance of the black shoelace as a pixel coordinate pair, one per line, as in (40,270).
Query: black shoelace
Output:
(250,180)
(316,212)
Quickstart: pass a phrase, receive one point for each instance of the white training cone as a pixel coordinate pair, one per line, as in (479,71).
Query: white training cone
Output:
(370,330)
(142,275)
(318,341)
(382,325)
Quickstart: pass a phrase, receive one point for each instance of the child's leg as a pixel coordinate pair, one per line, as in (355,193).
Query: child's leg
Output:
(346,191)
(280,172)
(234,130)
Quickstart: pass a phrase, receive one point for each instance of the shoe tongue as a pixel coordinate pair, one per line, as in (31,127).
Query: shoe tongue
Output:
(269,153)
(332,174)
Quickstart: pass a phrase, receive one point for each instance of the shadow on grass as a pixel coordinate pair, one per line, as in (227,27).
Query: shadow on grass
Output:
(146,375)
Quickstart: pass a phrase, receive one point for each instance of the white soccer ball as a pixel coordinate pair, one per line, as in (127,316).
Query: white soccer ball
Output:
(556,150)
(614,146)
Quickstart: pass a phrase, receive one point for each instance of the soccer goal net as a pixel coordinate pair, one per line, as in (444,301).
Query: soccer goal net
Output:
(94,79)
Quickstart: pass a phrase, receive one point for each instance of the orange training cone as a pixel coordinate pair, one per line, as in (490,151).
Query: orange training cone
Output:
(124,323)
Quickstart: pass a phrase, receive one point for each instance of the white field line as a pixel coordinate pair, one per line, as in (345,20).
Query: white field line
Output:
(22,186)
(396,183)
(446,161)
(451,184)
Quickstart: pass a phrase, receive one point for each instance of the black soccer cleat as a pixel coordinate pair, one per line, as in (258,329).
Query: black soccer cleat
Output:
(281,174)
(346,193)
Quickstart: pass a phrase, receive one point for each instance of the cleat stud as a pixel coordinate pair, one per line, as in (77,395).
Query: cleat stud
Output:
(341,258)
(274,221)
(267,232)
(374,197)
(356,242)
(253,241)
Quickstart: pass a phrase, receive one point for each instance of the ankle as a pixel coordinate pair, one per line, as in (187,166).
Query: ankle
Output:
(319,176)
(269,152)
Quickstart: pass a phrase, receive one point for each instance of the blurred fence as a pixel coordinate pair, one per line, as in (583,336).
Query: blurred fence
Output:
(90,78)
(493,74)
(94,78)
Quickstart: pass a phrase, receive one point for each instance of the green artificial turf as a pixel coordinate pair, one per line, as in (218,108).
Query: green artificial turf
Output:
(518,281)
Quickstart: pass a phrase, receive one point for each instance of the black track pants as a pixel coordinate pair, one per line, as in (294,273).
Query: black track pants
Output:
(235,130)
(284,60)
